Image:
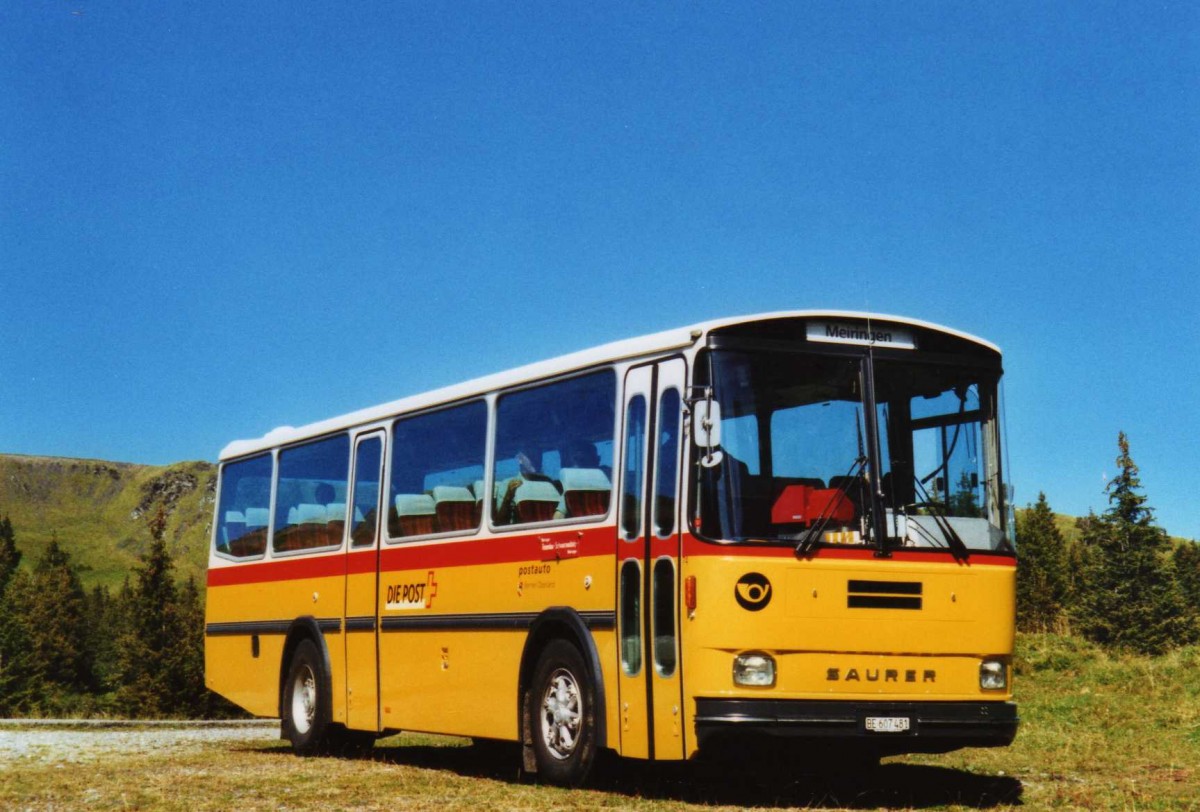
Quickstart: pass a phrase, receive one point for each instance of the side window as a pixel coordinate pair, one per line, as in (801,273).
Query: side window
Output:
(635,461)
(664,617)
(364,520)
(670,415)
(245,507)
(437,471)
(310,500)
(554,451)
(629,617)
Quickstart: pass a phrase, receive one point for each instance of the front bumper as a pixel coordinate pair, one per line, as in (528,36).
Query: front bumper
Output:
(933,727)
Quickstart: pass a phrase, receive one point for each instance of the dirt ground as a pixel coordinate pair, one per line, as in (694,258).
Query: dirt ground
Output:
(80,742)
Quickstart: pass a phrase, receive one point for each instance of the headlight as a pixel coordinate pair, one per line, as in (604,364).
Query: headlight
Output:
(754,670)
(993,675)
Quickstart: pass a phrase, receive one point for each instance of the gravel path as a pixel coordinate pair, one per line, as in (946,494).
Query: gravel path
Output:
(77,742)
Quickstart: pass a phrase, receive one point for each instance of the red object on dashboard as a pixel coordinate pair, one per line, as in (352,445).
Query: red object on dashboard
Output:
(803,504)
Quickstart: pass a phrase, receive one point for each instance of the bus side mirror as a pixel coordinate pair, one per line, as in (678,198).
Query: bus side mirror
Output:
(706,431)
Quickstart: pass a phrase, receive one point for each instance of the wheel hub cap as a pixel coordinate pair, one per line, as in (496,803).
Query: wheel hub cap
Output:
(561,714)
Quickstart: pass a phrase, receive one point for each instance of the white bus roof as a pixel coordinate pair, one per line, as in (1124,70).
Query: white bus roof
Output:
(606,353)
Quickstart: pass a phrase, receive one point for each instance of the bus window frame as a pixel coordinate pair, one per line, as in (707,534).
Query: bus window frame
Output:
(277,453)
(494,402)
(358,438)
(390,451)
(681,439)
(273,453)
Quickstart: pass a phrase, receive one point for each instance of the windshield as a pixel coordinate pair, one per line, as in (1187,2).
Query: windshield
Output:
(803,464)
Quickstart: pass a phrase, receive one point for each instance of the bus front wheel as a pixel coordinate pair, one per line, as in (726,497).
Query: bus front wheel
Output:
(563,715)
(306,708)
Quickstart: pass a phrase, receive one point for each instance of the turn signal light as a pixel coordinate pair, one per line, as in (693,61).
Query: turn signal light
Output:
(689,593)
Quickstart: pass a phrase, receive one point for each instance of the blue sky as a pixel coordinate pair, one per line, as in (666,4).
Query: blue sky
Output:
(216,219)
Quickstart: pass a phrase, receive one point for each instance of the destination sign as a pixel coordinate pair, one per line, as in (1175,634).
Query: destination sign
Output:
(866,335)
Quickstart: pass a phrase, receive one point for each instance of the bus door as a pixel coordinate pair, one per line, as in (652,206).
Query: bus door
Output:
(362,585)
(648,546)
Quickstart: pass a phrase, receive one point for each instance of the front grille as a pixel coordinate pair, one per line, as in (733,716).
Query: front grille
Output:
(883,594)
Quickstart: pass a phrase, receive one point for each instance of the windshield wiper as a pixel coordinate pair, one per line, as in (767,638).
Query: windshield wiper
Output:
(815,529)
(938,513)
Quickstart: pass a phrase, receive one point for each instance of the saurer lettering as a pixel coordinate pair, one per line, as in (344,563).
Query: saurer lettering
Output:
(878,675)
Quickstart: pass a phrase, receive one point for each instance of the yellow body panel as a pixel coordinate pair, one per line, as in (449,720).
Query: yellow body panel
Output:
(826,650)
(453,680)
(463,680)
(362,687)
(462,683)
(965,608)
(230,667)
(231,670)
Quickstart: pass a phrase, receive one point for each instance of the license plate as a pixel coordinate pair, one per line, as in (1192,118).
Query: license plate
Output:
(887,724)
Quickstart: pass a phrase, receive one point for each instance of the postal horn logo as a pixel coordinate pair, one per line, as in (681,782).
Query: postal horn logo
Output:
(753,591)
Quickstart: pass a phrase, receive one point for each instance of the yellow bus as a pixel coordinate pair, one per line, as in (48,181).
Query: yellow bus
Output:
(792,526)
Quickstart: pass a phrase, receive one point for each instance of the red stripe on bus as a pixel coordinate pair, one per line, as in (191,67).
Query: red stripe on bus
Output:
(288,569)
(694,546)
(550,546)
(938,556)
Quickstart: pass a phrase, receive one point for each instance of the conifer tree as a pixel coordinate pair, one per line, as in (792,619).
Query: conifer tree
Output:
(10,556)
(124,610)
(54,609)
(1130,597)
(102,622)
(192,698)
(15,673)
(148,662)
(1042,571)
(20,686)
(1187,571)
(1079,557)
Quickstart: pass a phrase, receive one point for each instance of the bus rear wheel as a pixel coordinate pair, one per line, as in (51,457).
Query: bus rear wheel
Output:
(306,700)
(563,715)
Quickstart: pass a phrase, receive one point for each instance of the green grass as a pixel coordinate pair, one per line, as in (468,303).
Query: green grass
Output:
(428,773)
(1098,732)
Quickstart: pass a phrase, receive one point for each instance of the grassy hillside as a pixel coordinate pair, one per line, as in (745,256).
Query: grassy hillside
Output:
(99,511)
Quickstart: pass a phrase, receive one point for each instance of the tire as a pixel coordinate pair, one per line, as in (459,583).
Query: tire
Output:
(562,715)
(306,700)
